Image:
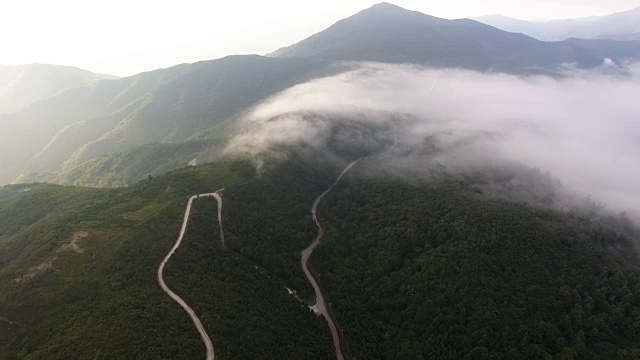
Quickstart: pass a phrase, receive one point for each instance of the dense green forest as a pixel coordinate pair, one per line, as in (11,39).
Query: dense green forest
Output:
(433,270)
(248,312)
(99,298)
(434,266)
(268,220)
(448,267)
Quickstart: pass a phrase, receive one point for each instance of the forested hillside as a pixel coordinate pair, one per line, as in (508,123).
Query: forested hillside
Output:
(127,167)
(411,268)
(439,269)
(168,106)
(434,270)
(77,276)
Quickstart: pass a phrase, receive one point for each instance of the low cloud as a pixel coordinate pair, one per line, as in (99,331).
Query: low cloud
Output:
(583,128)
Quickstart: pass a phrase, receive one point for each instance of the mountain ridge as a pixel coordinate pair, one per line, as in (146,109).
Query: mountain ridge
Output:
(22,85)
(388,33)
(161,106)
(201,101)
(621,26)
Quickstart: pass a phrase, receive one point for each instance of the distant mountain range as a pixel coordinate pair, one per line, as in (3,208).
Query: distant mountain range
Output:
(163,106)
(25,84)
(388,33)
(76,134)
(618,26)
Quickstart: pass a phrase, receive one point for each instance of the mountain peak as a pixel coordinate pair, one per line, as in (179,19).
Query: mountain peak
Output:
(389,11)
(385,5)
(385,8)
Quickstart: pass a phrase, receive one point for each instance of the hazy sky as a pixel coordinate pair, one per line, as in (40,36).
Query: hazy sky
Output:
(124,37)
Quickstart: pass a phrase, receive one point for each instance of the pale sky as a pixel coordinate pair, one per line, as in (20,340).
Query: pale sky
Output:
(125,37)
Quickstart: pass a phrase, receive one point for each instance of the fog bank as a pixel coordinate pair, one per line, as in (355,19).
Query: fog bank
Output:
(584,128)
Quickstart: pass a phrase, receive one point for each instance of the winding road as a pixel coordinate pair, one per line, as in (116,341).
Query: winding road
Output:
(196,321)
(321,308)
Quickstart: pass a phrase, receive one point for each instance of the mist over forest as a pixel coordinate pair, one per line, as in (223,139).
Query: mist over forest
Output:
(581,127)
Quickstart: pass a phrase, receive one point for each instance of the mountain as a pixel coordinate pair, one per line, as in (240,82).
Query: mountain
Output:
(417,254)
(83,132)
(388,33)
(163,106)
(26,84)
(619,26)
(620,37)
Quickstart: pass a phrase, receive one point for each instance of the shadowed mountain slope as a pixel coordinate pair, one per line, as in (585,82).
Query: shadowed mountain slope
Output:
(388,33)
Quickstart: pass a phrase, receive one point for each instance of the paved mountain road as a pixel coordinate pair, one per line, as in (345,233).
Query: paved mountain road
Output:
(321,308)
(196,321)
